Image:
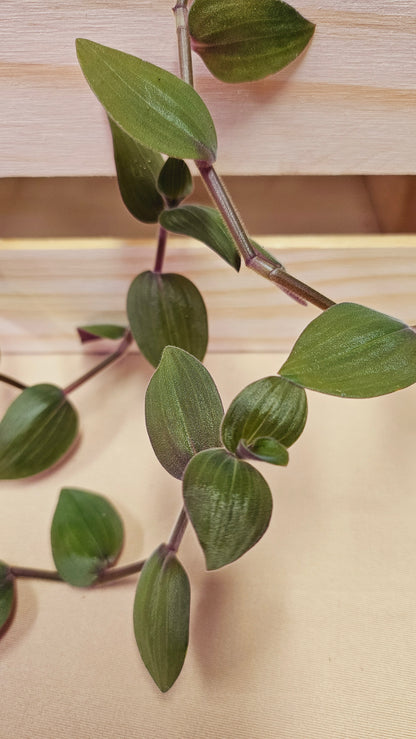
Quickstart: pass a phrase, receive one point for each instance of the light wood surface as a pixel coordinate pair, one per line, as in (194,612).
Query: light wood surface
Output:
(310,635)
(346,106)
(48,287)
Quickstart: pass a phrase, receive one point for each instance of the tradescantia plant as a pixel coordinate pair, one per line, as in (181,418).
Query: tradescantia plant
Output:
(157,120)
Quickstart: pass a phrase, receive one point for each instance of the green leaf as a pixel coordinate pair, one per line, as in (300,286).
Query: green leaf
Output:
(264,449)
(86,536)
(151,105)
(7,594)
(161,616)
(271,407)
(244,40)
(166,310)
(353,351)
(100,331)
(37,429)
(229,504)
(206,225)
(175,181)
(183,410)
(137,172)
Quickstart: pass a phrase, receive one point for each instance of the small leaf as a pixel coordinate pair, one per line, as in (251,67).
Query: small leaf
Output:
(161,616)
(7,594)
(183,410)
(353,351)
(229,504)
(166,310)
(270,407)
(86,536)
(244,40)
(137,172)
(36,430)
(151,105)
(264,449)
(205,224)
(100,331)
(175,181)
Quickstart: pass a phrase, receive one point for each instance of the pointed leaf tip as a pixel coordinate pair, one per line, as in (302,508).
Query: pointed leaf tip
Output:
(161,616)
(37,429)
(353,351)
(149,104)
(229,504)
(166,309)
(183,410)
(244,40)
(86,536)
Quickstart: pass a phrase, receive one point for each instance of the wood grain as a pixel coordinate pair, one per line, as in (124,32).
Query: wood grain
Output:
(346,106)
(47,288)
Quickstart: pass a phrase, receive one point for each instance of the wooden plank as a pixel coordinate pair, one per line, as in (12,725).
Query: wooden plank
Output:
(346,106)
(48,288)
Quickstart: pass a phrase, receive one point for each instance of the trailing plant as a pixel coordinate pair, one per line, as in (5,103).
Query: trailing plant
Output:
(157,120)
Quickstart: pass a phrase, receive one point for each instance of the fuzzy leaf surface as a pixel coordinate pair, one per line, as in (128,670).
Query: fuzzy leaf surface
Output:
(270,407)
(355,352)
(205,224)
(161,616)
(137,173)
(166,310)
(175,180)
(7,594)
(229,504)
(149,104)
(86,536)
(36,430)
(244,40)
(183,410)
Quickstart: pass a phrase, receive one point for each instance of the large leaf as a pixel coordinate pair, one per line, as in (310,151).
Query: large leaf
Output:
(96,331)
(7,594)
(229,504)
(161,616)
(151,105)
(86,536)
(166,309)
(353,351)
(205,224)
(271,407)
(37,429)
(183,410)
(175,181)
(137,173)
(244,40)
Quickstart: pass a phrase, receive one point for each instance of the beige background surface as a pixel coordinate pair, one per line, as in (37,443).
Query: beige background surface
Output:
(311,635)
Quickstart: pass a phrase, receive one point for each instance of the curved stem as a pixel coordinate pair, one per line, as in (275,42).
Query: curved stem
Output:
(121,349)
(252,257)
(12,381)
(178,531)
(161,249)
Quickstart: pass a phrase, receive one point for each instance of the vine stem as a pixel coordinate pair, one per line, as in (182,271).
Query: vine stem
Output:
(252,257)
(185,59)
(161,249)
(12,381)
(121,349)
(112,573)
(178,531)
